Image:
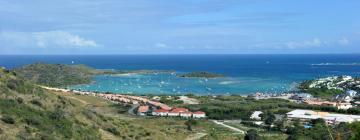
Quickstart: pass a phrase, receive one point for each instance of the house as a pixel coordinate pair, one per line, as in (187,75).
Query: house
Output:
(344,106)
(177,111)
(346,97)
(351,93)
(160,112)
(186,114)
(143,110)
(256,115)
(199,114)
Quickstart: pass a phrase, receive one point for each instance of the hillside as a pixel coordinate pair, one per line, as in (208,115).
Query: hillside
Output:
(330,86)
(57,74)
(29,112)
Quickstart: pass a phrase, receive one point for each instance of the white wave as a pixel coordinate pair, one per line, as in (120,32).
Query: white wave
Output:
(228,82)
(336,64)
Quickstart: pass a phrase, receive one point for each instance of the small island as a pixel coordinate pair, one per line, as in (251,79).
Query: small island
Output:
(201,74)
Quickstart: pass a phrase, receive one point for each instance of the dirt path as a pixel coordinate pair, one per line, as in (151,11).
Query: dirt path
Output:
(228,126)
(196,136)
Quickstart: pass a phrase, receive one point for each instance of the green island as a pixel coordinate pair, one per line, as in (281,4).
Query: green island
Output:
(201,74)
(29,111)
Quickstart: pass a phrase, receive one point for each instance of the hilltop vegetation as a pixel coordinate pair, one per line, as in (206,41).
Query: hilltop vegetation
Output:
(330,86)
(58,74)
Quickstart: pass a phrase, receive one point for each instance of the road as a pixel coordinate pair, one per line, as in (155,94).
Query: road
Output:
(132,109)
(228,126)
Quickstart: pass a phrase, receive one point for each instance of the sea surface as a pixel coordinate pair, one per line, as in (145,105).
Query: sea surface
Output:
(245,74)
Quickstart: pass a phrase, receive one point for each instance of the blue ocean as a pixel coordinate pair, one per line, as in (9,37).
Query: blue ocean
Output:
(244,74)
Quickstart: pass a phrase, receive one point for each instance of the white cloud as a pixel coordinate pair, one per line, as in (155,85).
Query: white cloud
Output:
(45,39)
(316,42)
(161,45)
(344,41)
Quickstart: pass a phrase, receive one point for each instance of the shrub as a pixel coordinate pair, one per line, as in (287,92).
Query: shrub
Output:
(8,119)
(112,130)
(36,102)
(19,100)
(32,121)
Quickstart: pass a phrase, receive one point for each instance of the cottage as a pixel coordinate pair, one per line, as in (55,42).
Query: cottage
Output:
(186,114)
(177,111)
(160,112)
(199,114)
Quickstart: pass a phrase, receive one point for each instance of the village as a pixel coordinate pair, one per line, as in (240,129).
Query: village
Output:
(343,101)
(142,105)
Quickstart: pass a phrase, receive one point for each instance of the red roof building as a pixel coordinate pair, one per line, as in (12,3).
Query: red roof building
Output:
(179,110)
(143,109)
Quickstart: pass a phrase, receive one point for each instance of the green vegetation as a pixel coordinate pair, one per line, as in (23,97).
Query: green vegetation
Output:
(321,131)
(252,135)
(201,75)
(323,92)
(58,74)
(237,107)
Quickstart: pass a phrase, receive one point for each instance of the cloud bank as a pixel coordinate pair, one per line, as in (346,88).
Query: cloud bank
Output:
(46,39)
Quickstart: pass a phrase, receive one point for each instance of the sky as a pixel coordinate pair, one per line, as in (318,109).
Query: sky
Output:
(179,26)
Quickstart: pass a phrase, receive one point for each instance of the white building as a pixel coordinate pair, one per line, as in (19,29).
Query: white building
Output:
(160,112)
(186,114)
(199,114)
(256,115)
(328,117)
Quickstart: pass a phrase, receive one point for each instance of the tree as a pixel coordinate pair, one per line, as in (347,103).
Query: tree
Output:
(252,135)
(190,123)
(268,118)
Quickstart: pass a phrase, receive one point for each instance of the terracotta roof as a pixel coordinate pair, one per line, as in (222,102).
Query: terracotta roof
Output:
(179,110)
(198,112)
(161,111)
(144,108)
(186,112)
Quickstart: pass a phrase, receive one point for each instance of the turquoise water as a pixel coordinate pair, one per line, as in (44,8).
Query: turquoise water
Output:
(167,83)
(244,73)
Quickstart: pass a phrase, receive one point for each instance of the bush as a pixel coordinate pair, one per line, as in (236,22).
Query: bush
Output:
(252,135)
(8,119)
(32,121)
(36,102)
(112,130)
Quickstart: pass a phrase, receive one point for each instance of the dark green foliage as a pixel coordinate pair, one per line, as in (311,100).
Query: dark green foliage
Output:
(164,100)
(36,102)
(252,135)
(190,123)
(201,75)
(323,92)
(112,130)
(8,119)
(56,74)
(268,117)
